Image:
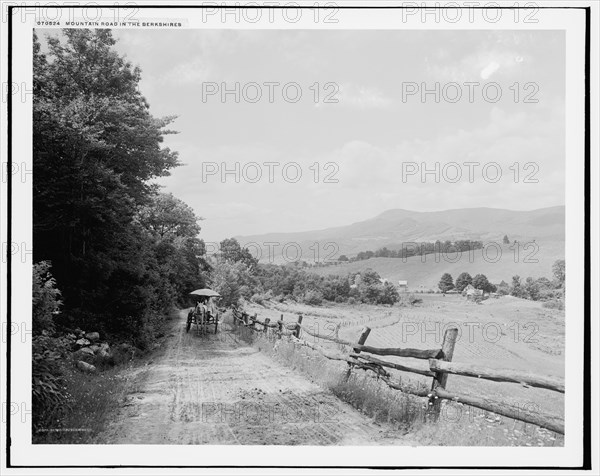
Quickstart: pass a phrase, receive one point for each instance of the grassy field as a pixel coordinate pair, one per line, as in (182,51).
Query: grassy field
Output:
(500,333)
(425,272)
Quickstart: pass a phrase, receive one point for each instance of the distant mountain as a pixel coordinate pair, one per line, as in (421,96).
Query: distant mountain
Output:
(392,228)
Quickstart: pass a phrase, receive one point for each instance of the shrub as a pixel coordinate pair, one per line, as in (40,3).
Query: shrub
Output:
(49,397)
(45,298)
(555,304)
(260,298)
(313,298)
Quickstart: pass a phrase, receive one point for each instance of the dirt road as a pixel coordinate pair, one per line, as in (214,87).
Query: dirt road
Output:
(217,390)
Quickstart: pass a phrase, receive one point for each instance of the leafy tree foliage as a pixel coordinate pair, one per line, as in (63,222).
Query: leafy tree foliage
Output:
(462,281)
(559,271)
(46,298)
(122,253)
(420,249)
(480,281)
(166,216)
(294,283)
(446,283)
(233,252)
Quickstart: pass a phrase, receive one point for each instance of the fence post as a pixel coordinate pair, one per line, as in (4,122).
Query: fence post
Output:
(297,331)
(441,378)
(361,341)
(245,317)
(254,321)
(280,326)
(266,326)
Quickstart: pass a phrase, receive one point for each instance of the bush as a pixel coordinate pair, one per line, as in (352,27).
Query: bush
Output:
(260,298)
(411,299)
(49,397)
(313,298)
(46,298)
(555,304)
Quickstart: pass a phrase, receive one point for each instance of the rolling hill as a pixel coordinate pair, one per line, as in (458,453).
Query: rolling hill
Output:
(393,228)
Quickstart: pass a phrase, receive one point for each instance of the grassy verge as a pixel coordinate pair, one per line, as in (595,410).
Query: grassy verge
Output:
(458,425)
(370,396)
(94,397)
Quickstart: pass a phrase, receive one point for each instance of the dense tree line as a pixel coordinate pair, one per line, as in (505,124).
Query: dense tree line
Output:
(237,275)
(417,249)
(540,289)
(121,253)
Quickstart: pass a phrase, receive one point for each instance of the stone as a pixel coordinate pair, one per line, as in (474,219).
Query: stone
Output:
(86,350)
(83,354)
(94,348)
(85,367)
(93,336)
(82,342)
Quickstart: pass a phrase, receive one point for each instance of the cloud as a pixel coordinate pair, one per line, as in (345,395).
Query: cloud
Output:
(489,70)
(188,72)
(362,97)
(480,64)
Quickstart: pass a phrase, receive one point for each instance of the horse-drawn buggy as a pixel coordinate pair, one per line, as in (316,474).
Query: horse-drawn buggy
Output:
(205,313)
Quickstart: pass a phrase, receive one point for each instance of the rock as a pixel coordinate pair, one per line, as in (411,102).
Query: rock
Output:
(83,354)
(86,350)
(93,336)
(104,347)
(94,348)
(82,342)
(85,367)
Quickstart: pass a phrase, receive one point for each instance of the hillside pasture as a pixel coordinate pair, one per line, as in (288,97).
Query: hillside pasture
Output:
(497,262)
(506,333)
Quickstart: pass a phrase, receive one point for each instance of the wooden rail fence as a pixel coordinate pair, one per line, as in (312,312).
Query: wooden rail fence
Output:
(440,367)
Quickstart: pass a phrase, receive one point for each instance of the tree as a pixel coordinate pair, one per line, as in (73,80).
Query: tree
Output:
(505,240)
(480,281)
(96,146)
(559,271)
(167,217)
(446,283)
(463,280)
(369,276)
(232,251)
(516,288)
(532,289)
(343,258)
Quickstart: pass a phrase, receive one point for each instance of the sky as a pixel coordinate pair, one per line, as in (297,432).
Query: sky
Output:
(365,153)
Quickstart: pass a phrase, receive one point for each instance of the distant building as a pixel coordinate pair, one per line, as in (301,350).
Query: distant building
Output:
(471,292)
(403,286)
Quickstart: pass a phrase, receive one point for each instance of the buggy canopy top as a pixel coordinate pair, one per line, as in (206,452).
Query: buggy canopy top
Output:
(205,292)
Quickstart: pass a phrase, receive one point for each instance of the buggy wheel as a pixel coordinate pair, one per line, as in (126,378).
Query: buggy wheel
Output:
(189,322)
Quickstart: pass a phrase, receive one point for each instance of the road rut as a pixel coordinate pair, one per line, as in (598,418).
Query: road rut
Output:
(216,390)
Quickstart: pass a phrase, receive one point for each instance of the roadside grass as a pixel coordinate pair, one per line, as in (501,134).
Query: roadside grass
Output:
(365,393)
(457,425)
(92,400)
(94,397)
